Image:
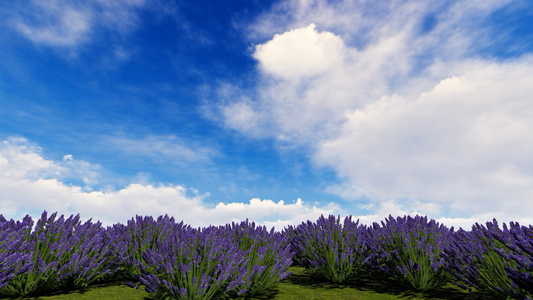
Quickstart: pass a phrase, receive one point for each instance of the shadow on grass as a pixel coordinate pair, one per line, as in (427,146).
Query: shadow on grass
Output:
(69,289)
(267,294)
(376,283)
(381,283)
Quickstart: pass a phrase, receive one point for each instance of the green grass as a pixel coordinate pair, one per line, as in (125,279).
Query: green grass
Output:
(302,284)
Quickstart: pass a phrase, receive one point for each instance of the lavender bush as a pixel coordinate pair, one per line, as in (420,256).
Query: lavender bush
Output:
(331,250)
(408,250)
(178,262)
(481,258)
(199,265)
(269,258)
(139,235)
(521,252)
(11,241)
(56,255)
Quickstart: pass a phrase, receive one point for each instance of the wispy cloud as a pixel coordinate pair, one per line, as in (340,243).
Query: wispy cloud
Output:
(65,27)
(71,23)
(168,149)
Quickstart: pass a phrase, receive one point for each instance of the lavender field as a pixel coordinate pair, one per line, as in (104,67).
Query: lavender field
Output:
(174,261)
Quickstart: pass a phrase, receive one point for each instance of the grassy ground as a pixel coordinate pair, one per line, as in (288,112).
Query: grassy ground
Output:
(301,284)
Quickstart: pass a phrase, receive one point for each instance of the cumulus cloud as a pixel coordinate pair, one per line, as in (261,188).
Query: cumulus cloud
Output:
(328,58)
(23,159)
(404,109)
(309,91)
(31,184)
(311,78)
(468,138)
(300,53)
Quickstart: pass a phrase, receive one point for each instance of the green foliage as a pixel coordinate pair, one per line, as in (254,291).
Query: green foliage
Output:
(57,254)
(420,274)
(331,250)
(409,249)
(263,252)
(338,268)
(139,243)
(493,279)
(260,267)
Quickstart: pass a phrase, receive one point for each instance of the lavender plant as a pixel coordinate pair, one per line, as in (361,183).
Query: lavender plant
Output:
(139,235)
(198,266)
(478,258)
(269,256)
(58,254)
(331,250)
(521,252)
(408,250)
(12,241)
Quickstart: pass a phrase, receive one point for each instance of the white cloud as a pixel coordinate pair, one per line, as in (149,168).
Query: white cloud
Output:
(364,22)
(167,149)
(316,80)
(382,211)
(30,185)
(243,117)
(465,146)
(70,23)
(406,115)
(22,159)
(463,135)
(300,53)
(120,14)
(311,76)
(279,214)
(69,27)
(23,194)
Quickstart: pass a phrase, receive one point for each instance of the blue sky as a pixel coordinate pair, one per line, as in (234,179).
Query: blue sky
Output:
(276,111)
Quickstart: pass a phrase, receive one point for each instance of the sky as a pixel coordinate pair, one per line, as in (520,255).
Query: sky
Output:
(274,111)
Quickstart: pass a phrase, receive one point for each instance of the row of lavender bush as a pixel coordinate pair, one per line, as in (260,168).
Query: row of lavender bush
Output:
(171,260)
(178,262)
(419,254)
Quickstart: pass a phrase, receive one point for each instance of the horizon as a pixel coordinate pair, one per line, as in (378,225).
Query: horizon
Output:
(380,223)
